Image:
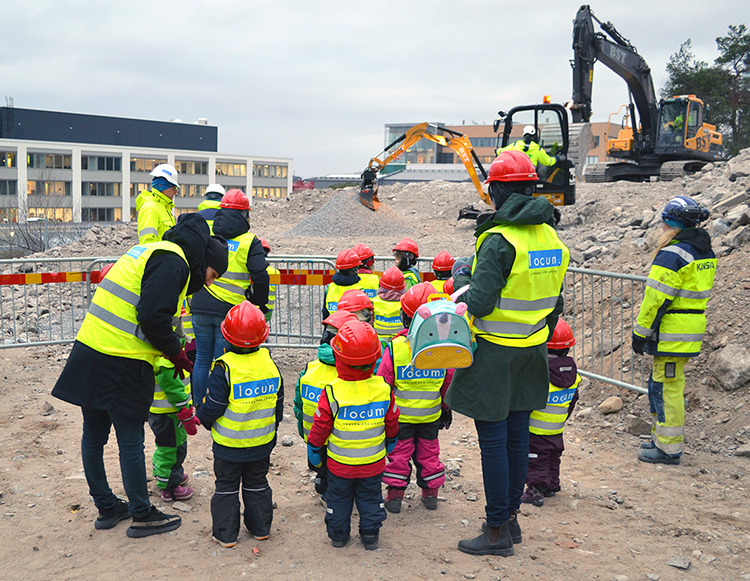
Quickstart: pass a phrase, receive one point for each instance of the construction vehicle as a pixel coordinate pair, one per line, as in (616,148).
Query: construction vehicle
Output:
(668,138)
(368,193)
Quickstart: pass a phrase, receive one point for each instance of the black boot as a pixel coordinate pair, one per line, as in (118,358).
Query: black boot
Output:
(369,540)
(515,528)
(494,541)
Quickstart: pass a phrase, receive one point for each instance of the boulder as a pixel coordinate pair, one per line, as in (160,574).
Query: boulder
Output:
(738,216)
(611,405)
(730,366)
(638,427)
(718,227)
(737,238)
(727,203)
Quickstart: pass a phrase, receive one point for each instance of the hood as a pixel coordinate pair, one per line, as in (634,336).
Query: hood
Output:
(388,294)
(141,199)
(230,223)
(325,354)
(191,233)
(345,280)
(521,210)
(698,238)
(562,371)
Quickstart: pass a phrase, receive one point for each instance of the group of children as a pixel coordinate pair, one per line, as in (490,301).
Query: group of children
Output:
(365,412)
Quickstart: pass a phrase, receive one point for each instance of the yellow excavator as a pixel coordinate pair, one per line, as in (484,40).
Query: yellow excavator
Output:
(458,142)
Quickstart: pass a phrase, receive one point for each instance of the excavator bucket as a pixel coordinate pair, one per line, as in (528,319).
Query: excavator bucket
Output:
(369,197)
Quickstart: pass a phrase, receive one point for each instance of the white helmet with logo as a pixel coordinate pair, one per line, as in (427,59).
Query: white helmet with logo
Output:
(166,171)
(215,189)
(529,130)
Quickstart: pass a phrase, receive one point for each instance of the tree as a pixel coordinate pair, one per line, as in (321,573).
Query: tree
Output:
(734,58)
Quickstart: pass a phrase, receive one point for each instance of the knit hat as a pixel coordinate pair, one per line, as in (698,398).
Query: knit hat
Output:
(161,184)
(217,254)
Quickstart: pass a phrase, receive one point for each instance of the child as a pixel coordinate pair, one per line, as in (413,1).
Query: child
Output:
(357,418)
(405,254)
(441,266)
(271,287)
(312,380)
(370,281)
(357,302)
(345,278)
(243,408)
(546,426)
(419,396)
(387,304)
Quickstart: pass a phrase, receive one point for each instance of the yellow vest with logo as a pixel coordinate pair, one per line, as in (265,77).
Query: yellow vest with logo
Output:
(358,408)
(250,417)
(271,293)
(232,285)
(160,404)
(111,324)
(551,420)
(334,292)
(317,375)
(417,390)
(387,318)
(532,289)
(370,283)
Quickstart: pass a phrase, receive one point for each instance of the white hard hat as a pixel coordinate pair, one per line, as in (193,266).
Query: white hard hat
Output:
(215,189)
(529,130)
(168,172)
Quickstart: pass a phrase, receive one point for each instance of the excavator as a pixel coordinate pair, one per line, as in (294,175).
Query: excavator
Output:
(668,138)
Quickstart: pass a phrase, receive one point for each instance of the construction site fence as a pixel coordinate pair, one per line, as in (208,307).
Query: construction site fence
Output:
(45,300)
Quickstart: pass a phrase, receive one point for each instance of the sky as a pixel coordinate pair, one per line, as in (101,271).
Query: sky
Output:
(317,81)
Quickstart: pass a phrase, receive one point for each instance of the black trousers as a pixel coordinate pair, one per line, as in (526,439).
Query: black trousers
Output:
(256,496)
(340,498)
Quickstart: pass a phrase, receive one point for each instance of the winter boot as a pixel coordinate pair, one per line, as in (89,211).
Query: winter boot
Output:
(393,499)
(179,493)
(656,456)
(648,445)
(430,498)
(110,517)
(340,544)
(185,478)
(369,540)
(225,544)
(533,496)
(515,528)
(155,523)
(491,542)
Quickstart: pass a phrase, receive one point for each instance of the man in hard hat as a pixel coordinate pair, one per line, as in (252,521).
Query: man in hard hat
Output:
(536,154)
(155,206)
(208,207)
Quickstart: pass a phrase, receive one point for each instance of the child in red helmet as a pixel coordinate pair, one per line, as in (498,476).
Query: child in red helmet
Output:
(357,418)
(405,253)
(369,280)
(387,304)
(356,301)
(441,267)
(243,408)
(345,278)
(419,396)
(546,426)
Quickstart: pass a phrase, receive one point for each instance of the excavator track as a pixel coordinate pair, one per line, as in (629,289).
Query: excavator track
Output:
(674,170)
(596,173)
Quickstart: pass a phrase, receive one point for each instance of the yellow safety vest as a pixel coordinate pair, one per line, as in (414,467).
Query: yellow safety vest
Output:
(111,324)
(411,278)
(271,293)
(358,408)
(551,420)
(250,417)
(438,284)
(370,283)
(532,289)
(417,390)
(387,318)
(232,285)
(317,375)
(160,404)
(536,154)
(209,204)
(154,216)
(334,292)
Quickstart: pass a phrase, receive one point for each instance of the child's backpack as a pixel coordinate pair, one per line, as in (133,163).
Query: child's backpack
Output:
(440,337)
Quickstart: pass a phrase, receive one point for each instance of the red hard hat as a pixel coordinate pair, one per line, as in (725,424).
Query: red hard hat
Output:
(415,297)
(235,199)
(393,279)
(512,166)
(245,325)
(563,337)
(338,318)
(363,251)
(347,259)
(408,245)
(264,243)
(448,286)
(443,261)
(103,272)
(356,343)
(355,300)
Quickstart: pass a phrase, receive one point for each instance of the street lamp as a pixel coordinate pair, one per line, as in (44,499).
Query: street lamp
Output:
(46,230)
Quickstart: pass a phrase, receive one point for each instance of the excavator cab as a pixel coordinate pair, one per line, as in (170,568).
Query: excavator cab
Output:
(683,129)
(550,120)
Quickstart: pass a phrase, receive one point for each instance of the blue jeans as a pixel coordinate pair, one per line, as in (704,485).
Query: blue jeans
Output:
(505,459)
(209,345)
(130,436)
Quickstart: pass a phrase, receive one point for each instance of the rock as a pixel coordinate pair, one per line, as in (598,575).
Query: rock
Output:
(652,577)
(471,497)
(679,563)
(639,427)
(647,218)
(470,576)
(737,238)
(47,409)
(738,216)
(287,441)
(622,578)
(611,405)
(584,413)
(729,202)
(730,366)
(593,252)
(743,450)
(182,507)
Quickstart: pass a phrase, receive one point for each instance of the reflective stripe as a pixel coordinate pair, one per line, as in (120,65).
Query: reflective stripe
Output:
(680,338)
(557,410)
(417,394)
(236,275)
(436,475)
(681,252)
(706,294)
(673,292)
(661,287)
(243,434)
(306,418)
(161,403)
(643,331)
(229,287)
(534,423)
(671,449)
(507,304)
(419,411)
(147,231)
(361,435)
(120,292)
(669,431)
(356,452)
(255,415)
(117,322)
(507,328)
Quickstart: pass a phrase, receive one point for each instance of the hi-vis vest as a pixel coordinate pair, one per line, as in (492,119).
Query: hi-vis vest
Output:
(232,285)
(438,284)
(312,383)
(111,324)
(417,390)
(358,408)
(334,292)
(160,404)
(682,280)
(370,283)
(551,420)
(411,277)
(532,289)
(154,216)
(250,417)
(387,317)
(186,318)
(271,293)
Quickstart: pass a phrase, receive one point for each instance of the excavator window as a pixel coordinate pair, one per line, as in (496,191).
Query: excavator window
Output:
(695,119)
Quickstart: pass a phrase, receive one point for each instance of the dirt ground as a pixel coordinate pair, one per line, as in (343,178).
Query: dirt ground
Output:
(615,519)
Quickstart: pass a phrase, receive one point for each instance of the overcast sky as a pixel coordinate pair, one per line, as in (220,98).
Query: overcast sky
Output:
(318,80)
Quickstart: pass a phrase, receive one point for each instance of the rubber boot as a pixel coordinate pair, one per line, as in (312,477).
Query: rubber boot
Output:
(430,498)
(393,499)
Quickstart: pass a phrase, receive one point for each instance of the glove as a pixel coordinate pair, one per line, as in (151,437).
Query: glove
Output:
(556,217)
(446,419)
(560,157)
(187,416)
(462,267)
(313,456)
(639,344)
(390,444)
(182,365)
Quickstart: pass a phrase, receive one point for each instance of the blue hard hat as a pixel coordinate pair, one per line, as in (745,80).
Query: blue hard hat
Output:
(684,210)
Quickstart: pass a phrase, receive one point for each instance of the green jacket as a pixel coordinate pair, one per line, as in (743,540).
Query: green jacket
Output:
(154,215)
(536,154)
(325,355)
(501,379)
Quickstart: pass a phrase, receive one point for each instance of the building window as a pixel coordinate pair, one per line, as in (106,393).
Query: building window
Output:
(99,214)
(8,188)
(48,188)
(231,169)
(178,211)
(57,214)
(136,189)
(192,190)
(100,189)
(7,159)
(8,214)
(591,159)
(55,161)
(191,167)
(144,164)
(100,163)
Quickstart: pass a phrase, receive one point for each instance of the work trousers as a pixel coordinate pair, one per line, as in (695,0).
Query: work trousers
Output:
(544,462)
(171,449)
(666,396)
(340,498)
(418,444)
(256,496)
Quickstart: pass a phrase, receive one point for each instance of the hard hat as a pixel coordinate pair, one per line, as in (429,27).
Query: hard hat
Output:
(355,300)
(529,130)
(407,245)
(512,166)
(245,325)
(448,286)
(266,246)
(363,251)
(347,259)
(415,297)
(168,172)
(562,338)
(685,210)
(235,199)
(443,261)
(215,191)
(393,279)
(356,343)
(337,318)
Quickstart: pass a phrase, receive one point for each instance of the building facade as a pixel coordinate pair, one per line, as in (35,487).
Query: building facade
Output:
(72,167)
